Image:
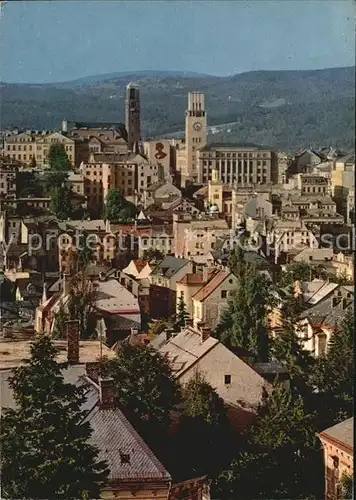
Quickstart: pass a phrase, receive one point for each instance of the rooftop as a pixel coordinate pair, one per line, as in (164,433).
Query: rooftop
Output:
(169,266)
(13,352)
(113,297)
(127,455)
(343,433)
(212,285)
(235,145)
(185,348)
(70,375)
(192,279)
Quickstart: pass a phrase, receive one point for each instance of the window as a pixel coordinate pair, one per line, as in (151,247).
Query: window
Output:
(223,294)
(227,379)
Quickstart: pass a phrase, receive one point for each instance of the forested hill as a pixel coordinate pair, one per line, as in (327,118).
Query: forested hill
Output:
(285,109)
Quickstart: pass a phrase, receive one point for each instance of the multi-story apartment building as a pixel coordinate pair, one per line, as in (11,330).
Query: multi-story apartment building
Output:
(343,185)
(288,235)
(161,152)
(32,147)
(43,145)
(132,174)
(93,234)
(21,146)
(195,235)
(310,184)
(7,182)
(237,164)
(95,138)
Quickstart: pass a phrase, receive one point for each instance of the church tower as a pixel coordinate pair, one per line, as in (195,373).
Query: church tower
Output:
(195,134)
(133,116)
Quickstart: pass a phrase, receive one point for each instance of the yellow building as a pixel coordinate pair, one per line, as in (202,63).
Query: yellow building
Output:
(27,147)
(343,185)
(132,174)
(215,191)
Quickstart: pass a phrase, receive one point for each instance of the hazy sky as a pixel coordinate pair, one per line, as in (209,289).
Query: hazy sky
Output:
(47,41)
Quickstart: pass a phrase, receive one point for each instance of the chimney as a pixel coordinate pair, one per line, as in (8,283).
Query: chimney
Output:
(169,332)
(107,393)
(205,274)
(205,333)
(93,370)
(73,341)
(64,126)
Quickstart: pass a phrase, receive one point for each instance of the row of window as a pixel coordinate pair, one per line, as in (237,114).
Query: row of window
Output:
(240,164)
(219,154)
(18,148)
(122,172)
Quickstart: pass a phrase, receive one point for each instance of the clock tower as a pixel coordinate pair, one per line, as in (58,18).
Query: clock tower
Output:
(195,135)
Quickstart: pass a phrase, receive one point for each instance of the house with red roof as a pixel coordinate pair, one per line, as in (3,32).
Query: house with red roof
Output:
(211,300)
(190,284)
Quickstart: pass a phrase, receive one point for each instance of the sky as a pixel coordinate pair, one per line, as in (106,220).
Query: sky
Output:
(52,41)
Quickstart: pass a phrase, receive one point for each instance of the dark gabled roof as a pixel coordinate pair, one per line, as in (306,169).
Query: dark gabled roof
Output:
(114,436)
(327,313)
(120,323)
(120,127)
(169,266)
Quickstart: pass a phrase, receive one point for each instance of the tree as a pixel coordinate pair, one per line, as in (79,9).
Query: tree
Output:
(84,252)
(153,254)
(61,202)
(58,159)
(287,348)
(244,322)
(59,170)
(144,385)
(80,304)
(33,163)
(182,314)
(346,486)
(158,326)
(45,440)
(204,430)
(118,208)
(333,376)
(279,447)
(60,322)
(300,271)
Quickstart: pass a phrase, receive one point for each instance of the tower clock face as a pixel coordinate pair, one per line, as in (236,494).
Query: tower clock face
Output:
(197,126)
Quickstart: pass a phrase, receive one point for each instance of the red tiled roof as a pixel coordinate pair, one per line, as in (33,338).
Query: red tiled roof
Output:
(196,279)
(212,285)
(192,279)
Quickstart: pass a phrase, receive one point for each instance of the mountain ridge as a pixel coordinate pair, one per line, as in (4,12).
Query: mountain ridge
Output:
(309,106)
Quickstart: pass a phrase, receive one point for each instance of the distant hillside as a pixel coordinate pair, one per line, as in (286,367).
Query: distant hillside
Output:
(286,109)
